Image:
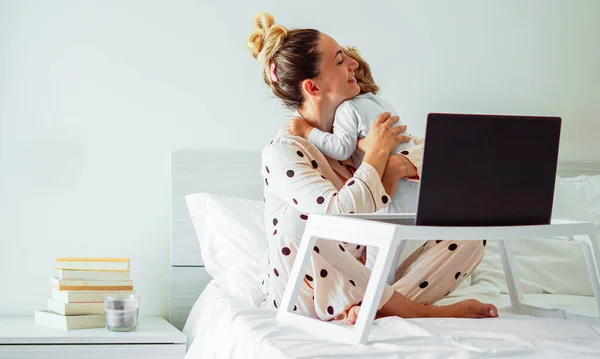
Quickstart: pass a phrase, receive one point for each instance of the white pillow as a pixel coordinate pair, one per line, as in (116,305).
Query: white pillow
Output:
(578,198)
(231,232)
(547,266)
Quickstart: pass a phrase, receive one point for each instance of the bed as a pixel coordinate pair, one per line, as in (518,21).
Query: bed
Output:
(220,315)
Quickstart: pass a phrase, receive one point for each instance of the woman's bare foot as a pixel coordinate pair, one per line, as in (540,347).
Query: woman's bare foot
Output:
(469,308)
(352,315)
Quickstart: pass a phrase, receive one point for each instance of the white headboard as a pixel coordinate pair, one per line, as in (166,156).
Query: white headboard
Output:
(235,174)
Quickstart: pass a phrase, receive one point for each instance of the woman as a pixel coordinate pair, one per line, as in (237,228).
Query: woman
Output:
(311,74)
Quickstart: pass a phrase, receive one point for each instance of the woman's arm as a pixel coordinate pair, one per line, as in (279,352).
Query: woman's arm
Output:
(294,177)
(394,166)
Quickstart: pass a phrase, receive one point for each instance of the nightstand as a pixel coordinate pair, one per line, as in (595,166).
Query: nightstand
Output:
(156,338)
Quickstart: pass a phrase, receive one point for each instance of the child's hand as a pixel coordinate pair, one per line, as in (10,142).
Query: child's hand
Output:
(298,127)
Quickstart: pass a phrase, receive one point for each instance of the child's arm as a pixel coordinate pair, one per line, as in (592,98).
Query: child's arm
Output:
(298,127)
(340,144)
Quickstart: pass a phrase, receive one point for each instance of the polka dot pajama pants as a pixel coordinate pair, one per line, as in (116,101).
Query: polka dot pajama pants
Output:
(433,271)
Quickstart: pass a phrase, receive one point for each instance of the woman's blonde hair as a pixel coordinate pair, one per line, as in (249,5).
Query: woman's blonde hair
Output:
(288,57)
(363,75)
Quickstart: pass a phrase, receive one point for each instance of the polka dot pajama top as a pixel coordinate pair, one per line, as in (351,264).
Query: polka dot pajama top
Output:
(299,180)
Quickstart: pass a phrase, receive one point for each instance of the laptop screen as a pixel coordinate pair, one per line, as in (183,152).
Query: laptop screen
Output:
(488,170)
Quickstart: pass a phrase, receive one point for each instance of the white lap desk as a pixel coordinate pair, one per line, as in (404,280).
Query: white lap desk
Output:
(389,232)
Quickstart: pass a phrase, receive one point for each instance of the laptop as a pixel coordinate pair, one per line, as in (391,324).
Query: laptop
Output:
(488,170)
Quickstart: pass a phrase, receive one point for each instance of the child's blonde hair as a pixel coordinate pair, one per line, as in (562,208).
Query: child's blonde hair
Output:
(363,76)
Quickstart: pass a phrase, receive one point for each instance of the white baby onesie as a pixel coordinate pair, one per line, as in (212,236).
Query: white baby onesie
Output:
(353,119)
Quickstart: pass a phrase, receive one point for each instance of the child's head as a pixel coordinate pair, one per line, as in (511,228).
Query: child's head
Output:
(363,76)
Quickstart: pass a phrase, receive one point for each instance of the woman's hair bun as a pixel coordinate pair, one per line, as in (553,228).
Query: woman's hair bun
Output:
(266,38)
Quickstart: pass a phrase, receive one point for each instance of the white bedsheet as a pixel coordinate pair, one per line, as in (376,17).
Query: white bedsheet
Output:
(223,326)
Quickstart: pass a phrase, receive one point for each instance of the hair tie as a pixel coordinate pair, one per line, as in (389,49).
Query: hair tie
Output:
(273,75)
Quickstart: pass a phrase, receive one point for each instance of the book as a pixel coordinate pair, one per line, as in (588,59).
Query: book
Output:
(85,296)
(93,263)
(71,284)
(62,308)
(49,319)
(93,274)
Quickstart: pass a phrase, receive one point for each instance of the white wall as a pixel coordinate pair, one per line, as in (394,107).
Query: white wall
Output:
(94,95)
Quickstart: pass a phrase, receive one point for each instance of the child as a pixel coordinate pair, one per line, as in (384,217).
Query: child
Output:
(353,119)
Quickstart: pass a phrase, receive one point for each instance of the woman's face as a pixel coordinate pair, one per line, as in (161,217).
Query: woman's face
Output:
(336,73)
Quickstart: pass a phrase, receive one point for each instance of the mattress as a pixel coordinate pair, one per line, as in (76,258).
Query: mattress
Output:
(222,325)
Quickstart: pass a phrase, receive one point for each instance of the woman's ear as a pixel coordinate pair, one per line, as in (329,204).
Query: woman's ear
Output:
(310,88)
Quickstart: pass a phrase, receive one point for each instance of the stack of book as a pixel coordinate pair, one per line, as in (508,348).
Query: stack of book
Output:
(78,291)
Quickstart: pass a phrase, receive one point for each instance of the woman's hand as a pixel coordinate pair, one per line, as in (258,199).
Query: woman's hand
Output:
(401,167)
(298,127)
(381,140)
(397,168)
(382,135)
